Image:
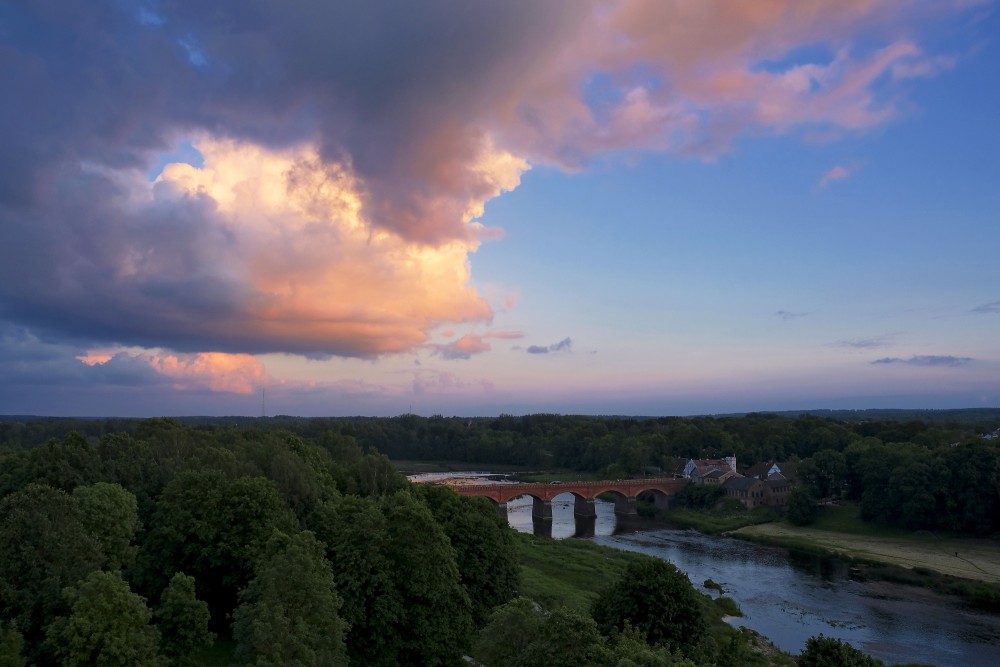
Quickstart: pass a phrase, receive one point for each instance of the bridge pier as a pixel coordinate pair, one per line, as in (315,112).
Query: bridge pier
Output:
(626,514)
(541,517)
(585,516)
(502,510)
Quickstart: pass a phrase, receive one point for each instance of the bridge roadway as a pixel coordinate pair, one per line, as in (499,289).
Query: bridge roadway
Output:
(625,491)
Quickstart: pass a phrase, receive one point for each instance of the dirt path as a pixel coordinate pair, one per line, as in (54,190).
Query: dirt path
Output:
(969,559)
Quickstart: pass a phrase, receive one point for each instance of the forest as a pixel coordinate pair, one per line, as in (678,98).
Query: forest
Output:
(297,542)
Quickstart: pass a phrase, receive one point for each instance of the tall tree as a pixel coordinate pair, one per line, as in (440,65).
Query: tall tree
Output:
(356,535)
(11,643)
(182,620)
(288,613)
(108,625)
(44,547)
(656,598)
(483,543)
(437,619)
(109,514)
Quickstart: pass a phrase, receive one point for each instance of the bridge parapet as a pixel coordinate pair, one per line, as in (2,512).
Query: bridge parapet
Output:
(588,490)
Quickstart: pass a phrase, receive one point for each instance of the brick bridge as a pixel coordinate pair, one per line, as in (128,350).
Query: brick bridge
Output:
(625,492)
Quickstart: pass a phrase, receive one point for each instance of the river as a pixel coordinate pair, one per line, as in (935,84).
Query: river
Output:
(790,599)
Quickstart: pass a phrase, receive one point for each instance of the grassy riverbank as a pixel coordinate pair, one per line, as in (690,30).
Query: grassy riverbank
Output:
(724,518)
(969,568)
(572,573)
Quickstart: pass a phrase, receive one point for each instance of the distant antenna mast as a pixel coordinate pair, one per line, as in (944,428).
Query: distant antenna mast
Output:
(263,401)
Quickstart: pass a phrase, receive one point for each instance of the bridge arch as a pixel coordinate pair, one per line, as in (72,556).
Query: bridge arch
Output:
(584,496)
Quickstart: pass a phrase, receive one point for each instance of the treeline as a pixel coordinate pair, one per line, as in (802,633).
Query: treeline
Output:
(613,446)
(953,487)
(150,546)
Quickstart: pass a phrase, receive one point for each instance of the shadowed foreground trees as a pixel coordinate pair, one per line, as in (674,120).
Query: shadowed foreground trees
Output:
(655,598)
(108,625)
(521,634)
(214,522)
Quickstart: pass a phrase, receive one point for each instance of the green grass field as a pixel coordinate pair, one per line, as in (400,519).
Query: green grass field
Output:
(716,521)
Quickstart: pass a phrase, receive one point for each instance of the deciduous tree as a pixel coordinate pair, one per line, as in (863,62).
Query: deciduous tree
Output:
(657,599)
(437,620)
(288,613)
(483,543)
(108,625)
(44,548)
(109,514)
(182,620)
(355,532)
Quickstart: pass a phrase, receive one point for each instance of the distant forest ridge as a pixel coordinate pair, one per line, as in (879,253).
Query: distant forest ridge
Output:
(958,416)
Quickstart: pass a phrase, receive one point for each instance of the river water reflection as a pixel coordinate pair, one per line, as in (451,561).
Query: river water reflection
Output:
(789,599)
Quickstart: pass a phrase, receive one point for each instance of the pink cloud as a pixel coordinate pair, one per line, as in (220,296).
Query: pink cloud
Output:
(336,214)
(232,373)
(711,74)
(835,174)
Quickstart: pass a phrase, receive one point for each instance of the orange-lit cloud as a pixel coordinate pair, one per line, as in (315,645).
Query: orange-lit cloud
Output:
(322,278)
(233,373)
(212,371)
(96,357)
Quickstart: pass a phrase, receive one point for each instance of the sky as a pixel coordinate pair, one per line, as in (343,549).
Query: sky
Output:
(633,207)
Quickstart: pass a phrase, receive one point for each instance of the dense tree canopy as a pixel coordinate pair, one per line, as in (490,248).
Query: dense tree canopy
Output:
(111,510)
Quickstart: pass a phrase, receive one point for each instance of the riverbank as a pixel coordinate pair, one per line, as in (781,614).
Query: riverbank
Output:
(976,560)
(963,567)
(572,573)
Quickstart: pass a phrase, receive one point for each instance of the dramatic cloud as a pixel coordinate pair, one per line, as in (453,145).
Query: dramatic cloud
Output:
(564,345)
(349,148)
(991,307)
(926,360)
